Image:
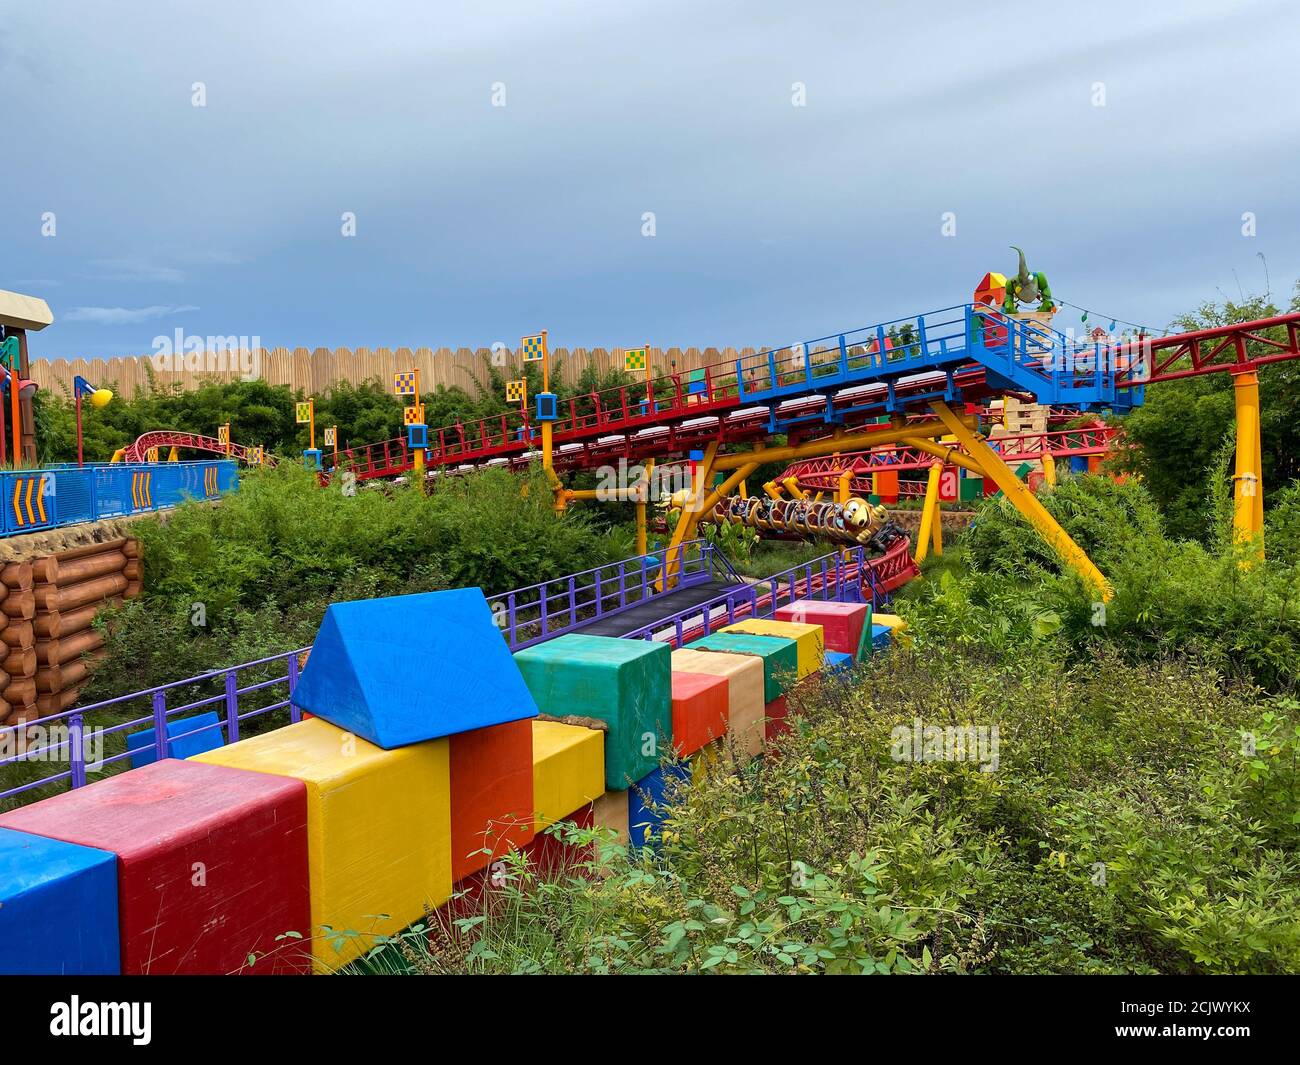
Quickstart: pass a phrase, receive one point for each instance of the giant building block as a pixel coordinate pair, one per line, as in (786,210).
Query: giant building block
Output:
(412,667)
(553,857)
(775,716)
(841,622)
(609,812)
(699,710)
(58,908)
(211,863)
(780,657)
(379,828)
(744,676)
(809,639)
(625,683)
(492,803)
(568,770)
(648,801)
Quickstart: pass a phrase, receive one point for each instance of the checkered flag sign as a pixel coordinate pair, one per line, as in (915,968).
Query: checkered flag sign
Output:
(255,455)
(223,434)
(404,383)
(151,455)
(413,415)
(517,391)
(534,348)
(331,436)
(635,359)
(303,412)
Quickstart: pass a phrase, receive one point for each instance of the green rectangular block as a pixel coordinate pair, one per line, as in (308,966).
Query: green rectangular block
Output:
(780,657)
(971,488)
(625,683)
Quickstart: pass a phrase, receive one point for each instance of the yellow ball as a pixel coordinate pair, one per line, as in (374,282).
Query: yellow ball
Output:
(101,397)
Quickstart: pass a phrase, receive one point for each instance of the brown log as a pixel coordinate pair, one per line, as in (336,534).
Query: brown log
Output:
(54,624)
(132,590)
(4,680)
(57,678)
(20,663)
(17,575)
(131,571)
(80,569)
(56,652)
(18,635)
(4,590)
(5,711)
(45,570)
(19,606)
(92,549)
(131,548)
(53,702)
(20,693)
(95,590)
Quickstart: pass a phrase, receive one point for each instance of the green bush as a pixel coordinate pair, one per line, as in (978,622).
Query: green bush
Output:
(1126,827)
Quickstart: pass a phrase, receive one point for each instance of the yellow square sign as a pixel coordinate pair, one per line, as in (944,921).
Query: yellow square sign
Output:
(635,359)
(404,383)
(534,348)
(223,434)
(303,411)
(517,391)
(331,436)
(413,415)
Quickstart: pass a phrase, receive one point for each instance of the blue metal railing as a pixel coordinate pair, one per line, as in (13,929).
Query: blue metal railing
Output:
(1022,355)
(55,496)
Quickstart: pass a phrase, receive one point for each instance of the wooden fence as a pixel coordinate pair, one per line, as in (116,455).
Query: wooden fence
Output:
(314,371)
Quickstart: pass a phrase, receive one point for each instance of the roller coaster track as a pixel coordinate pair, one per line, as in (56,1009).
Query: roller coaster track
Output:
(963,354)
(168,438)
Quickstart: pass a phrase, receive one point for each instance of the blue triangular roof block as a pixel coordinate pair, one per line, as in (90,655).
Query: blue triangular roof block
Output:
(410,668)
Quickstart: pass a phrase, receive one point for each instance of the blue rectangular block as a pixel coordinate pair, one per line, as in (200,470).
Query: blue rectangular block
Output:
(58,908)
(179,745)
(410,668)
(880,635)
(647,800)
(837,662)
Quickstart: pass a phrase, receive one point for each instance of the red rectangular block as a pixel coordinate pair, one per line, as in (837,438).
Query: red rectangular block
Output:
(211,863)
(775,716)
(491,794)
(841,622)
(699,710)
(554,859)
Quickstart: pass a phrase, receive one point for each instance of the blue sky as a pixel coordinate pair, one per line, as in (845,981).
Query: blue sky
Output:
(477,223)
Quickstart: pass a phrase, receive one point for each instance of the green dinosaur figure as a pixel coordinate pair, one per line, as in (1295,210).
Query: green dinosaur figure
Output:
(1026,287)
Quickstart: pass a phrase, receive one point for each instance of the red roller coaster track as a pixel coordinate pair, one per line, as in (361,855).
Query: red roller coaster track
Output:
(168,438)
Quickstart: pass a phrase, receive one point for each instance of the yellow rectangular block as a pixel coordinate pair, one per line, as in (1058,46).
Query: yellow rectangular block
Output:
(568,769)
(378,829)
(809,640)
(892,620)
(745,705)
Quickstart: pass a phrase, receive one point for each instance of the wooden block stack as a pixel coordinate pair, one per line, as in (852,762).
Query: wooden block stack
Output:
(49,607)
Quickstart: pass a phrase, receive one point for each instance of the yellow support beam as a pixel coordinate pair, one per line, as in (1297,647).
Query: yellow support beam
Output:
(931,526)
(773,490)
(1248,480)
(843,491)
(1049,470)
(948,453)
(690,515)
(792,486)
(1024,501)
(865,438)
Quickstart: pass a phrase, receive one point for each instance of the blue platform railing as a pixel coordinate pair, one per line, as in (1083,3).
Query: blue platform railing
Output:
(51,497)
(1016,355)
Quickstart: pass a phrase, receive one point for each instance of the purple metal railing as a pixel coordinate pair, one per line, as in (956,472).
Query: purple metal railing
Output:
(68,729)
(543,611)
(827,577)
